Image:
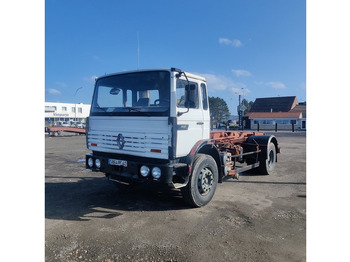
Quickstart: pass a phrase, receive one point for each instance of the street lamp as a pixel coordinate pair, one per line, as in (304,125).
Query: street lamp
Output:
(75,103)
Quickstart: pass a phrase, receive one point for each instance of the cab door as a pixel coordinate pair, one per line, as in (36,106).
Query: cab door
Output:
(190,118)
(205,111)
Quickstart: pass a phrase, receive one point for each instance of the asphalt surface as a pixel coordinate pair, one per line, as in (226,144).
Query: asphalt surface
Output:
(257,218)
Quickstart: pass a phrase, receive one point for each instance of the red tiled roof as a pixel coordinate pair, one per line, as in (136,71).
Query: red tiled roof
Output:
(254,115)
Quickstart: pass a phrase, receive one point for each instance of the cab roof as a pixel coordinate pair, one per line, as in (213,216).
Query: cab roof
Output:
(190,75)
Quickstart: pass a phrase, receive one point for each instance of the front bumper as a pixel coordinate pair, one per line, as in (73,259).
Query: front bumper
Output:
(131,172)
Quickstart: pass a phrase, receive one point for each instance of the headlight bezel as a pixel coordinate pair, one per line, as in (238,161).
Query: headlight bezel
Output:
(156,172)
(97,163)
(144,171)
(90,162)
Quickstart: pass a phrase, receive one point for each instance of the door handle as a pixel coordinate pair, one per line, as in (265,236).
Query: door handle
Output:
(200,123)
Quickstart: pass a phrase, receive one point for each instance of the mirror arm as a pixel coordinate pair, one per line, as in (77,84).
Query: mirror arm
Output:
(181,113)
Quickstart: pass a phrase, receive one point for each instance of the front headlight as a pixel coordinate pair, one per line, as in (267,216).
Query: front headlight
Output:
(144,171)
(98,163)
(90,162)
(156,172)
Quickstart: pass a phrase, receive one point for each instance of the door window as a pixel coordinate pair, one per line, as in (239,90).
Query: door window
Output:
(185,92)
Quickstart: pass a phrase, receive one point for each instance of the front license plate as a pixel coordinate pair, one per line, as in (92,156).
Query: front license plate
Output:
(117,162)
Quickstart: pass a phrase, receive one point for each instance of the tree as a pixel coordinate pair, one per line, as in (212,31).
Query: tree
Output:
(218,110)
(248,105)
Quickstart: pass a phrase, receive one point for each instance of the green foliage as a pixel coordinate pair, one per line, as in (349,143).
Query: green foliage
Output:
(247,105)
(218,110)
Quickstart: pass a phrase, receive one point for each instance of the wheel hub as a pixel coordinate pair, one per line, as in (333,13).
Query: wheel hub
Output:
(205,181)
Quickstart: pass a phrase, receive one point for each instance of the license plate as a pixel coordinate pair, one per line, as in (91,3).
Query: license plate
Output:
(117,162)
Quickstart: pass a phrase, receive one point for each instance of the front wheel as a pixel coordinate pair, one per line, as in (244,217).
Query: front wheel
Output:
(203,181)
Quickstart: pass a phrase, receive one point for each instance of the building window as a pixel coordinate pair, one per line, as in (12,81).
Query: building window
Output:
(80,110)
(64,108)
(282,122)
(73,109)
(50,108)
(265,122)
(286,122)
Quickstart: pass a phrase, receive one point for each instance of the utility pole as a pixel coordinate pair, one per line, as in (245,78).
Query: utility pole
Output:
(239,111)
(138,51)
(75,103)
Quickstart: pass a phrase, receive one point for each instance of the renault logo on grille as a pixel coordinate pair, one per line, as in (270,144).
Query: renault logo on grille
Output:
(120,141)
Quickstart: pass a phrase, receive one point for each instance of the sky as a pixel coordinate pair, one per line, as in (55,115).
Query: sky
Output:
(254,48)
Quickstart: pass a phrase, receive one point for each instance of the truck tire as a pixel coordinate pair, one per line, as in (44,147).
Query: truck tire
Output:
(267,165)
(203,181)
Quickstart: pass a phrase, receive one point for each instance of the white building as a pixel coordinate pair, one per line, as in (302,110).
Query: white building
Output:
(65,112)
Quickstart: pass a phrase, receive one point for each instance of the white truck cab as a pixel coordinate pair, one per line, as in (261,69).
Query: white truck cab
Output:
(149,118)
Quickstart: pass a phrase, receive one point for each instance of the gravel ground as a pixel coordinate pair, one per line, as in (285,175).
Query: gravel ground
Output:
(257,218)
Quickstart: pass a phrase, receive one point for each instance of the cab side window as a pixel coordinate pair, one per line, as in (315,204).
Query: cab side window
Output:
(204,97)
(186,94)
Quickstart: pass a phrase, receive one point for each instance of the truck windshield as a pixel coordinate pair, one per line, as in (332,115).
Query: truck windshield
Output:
(139,93)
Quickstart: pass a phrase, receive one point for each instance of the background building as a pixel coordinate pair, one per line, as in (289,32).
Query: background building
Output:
(57,113)
(283,111)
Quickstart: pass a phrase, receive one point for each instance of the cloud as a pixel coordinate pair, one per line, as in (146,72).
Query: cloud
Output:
(234,42)
(90,79)
(239,72)
(53,91)
(61,84)
(223,83)
(276,85)
(217,82)
(225,41)
(240,89)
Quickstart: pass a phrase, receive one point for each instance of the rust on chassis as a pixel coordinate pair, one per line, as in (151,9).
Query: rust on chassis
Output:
(230,143)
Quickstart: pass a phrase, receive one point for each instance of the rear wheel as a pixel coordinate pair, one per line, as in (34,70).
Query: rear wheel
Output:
(267,165)
(203,181)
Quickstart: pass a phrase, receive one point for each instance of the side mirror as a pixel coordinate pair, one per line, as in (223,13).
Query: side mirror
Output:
(190,88)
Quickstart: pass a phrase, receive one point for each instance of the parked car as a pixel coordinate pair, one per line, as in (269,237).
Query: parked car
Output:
(222,124)
(79,124)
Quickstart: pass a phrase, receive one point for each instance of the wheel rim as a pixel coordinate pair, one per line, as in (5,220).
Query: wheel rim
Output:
(205,181)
